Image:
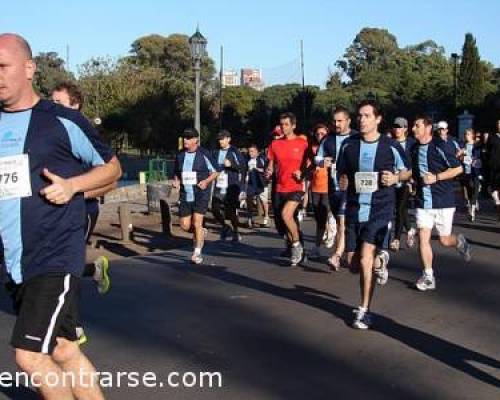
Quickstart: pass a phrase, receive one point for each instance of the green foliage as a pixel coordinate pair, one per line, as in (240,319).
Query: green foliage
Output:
(474,79)
(49,72)
(147,97)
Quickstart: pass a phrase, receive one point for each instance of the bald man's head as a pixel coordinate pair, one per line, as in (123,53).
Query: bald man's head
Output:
(17,70)
(18,41)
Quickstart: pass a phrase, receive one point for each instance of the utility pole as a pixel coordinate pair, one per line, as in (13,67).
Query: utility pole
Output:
(303,84)
(220,85)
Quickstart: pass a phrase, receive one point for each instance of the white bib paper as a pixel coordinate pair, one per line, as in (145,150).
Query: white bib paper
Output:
(189,178)
(222,182)
(366,182)
(252,164)
(15,180)
(467,160)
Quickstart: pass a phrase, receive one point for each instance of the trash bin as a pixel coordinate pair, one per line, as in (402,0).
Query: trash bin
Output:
(156,192)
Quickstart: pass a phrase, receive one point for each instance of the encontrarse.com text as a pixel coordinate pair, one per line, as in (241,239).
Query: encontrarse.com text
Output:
(113,379)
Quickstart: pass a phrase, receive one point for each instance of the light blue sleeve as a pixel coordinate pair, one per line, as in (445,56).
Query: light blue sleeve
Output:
(399,164)
(209,165)
(81,147)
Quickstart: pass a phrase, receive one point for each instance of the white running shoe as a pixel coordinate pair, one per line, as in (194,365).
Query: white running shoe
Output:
(362,320)
(426,282)
(197,258)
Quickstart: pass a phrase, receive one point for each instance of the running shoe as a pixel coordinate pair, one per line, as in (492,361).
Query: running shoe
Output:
(265,223)
(297,255)
(426,282)
(362,319)
(381,272)
(463,247)
(395,244)
(410,238)
(103,281)
(334,262)
(197,258)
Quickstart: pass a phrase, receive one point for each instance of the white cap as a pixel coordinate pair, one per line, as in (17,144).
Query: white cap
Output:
(442,125)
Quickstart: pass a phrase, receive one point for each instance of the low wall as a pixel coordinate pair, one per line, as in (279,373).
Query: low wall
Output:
(126,193)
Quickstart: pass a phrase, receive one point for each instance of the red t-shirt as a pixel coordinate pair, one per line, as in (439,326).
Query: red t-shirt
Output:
(288,156)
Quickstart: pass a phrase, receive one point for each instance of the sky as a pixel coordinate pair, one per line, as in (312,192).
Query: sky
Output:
(260,34)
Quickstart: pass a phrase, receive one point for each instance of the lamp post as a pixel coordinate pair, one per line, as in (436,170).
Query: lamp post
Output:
(97,119)
(198,44)
(455,56)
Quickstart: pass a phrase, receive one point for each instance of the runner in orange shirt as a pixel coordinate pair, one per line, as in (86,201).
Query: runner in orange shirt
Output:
(319,191)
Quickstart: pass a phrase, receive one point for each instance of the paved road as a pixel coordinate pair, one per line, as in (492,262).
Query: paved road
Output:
(276,332)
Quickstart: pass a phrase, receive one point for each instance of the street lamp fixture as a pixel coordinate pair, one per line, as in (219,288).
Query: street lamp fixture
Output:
(198,45)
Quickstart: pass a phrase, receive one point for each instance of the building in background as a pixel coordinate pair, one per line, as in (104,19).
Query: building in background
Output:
(252,77)
(230,78)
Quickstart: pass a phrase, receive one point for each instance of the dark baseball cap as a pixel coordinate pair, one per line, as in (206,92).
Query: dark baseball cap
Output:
(190,133)
(223,134)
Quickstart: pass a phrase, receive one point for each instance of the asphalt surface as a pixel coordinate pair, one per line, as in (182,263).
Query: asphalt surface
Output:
(275,332)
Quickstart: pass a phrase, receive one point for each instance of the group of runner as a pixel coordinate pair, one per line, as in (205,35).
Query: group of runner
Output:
(359,182)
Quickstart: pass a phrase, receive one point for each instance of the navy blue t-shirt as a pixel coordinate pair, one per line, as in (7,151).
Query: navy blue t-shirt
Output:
(330,147)
(434,157)
(357,155)
(39,237)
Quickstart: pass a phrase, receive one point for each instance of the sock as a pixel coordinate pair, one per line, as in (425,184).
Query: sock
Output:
(197,251)
(429,272)
(97,272)
(296,244)
(495,197)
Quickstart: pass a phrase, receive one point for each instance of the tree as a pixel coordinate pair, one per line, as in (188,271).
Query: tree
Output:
(371,47)
(471,88)
(49,72)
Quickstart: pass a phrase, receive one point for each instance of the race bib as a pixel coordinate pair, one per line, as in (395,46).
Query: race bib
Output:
(366,182)
(252,164)
(15,180)
(189,178)
(467,160)
(222,182)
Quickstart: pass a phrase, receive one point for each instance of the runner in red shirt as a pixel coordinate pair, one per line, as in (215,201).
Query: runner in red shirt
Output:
(287,158)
